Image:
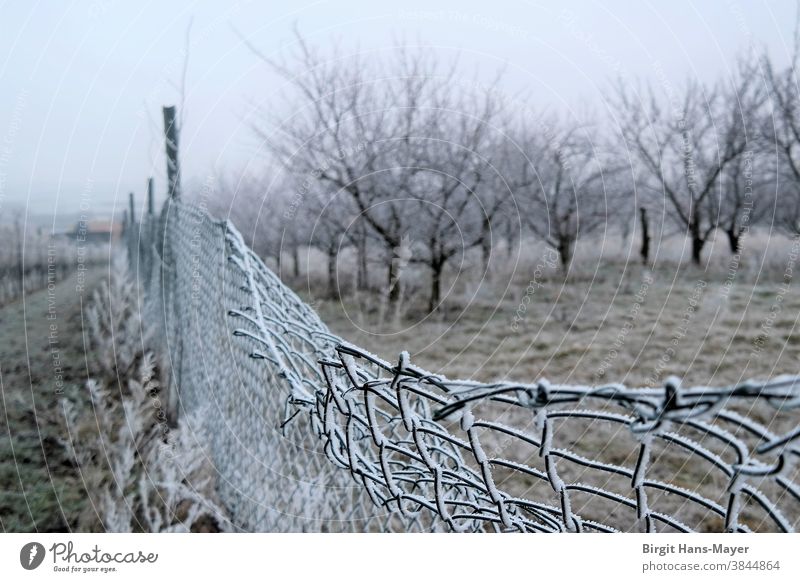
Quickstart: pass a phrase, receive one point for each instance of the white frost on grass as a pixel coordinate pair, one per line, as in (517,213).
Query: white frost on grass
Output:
(141,473)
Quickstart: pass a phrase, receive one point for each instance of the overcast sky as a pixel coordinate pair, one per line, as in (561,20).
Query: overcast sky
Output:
(82,83)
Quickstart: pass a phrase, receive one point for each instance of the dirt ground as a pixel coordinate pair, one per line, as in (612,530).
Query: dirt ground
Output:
(42,357)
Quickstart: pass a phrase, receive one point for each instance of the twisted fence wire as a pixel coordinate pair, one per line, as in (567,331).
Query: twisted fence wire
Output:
(309,433)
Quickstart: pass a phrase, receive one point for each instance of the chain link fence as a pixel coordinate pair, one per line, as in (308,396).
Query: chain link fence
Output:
(309,433)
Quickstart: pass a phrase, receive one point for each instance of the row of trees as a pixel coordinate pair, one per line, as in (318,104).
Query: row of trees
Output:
(404,159)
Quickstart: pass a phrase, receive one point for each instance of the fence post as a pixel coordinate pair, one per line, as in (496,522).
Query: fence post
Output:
(131,210)
(20,259)
(132,235)
(151,204)
(173,163)
(169,278)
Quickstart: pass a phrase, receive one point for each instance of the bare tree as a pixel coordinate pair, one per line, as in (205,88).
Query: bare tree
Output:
(743,197)
(343,130)
(781,131)
(331,226)
(743,201)
(560,184)
(399,137)
(455,190)
(685,144)
(262,209)
(500,208)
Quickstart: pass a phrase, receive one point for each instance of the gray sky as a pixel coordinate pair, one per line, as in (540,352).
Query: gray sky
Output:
(82,83)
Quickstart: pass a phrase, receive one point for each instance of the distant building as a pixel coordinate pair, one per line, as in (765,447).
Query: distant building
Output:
(95,231)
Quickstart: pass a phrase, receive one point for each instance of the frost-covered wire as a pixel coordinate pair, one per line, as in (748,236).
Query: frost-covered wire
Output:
(313,434)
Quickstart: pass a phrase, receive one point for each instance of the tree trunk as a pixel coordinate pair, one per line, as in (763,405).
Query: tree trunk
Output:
(565,253)
(698,242)
(697,248)
(486,244)
(734,240)
(362,278)
(645,250)
(511,242)
(296,261)
(393,282)
(332,287)
(436,288)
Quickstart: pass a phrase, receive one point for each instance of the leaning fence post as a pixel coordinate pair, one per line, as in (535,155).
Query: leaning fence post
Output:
(171,143)
(169,277)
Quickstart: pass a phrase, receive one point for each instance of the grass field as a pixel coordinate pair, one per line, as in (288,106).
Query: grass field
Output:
(610,321)
(42,358)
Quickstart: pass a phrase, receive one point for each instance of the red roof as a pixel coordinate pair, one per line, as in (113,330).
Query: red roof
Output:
(97,226)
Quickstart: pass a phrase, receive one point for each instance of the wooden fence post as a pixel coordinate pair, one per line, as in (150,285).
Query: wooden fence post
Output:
(131,211)
(151,204)
(171,317)
(173,163)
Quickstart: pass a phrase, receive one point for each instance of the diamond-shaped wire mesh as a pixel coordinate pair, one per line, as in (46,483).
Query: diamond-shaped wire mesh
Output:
(308,433)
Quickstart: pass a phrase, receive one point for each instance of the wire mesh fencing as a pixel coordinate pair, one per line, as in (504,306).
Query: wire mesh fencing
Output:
(309,433)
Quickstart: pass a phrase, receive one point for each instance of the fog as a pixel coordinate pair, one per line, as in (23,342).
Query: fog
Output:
(82,83)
